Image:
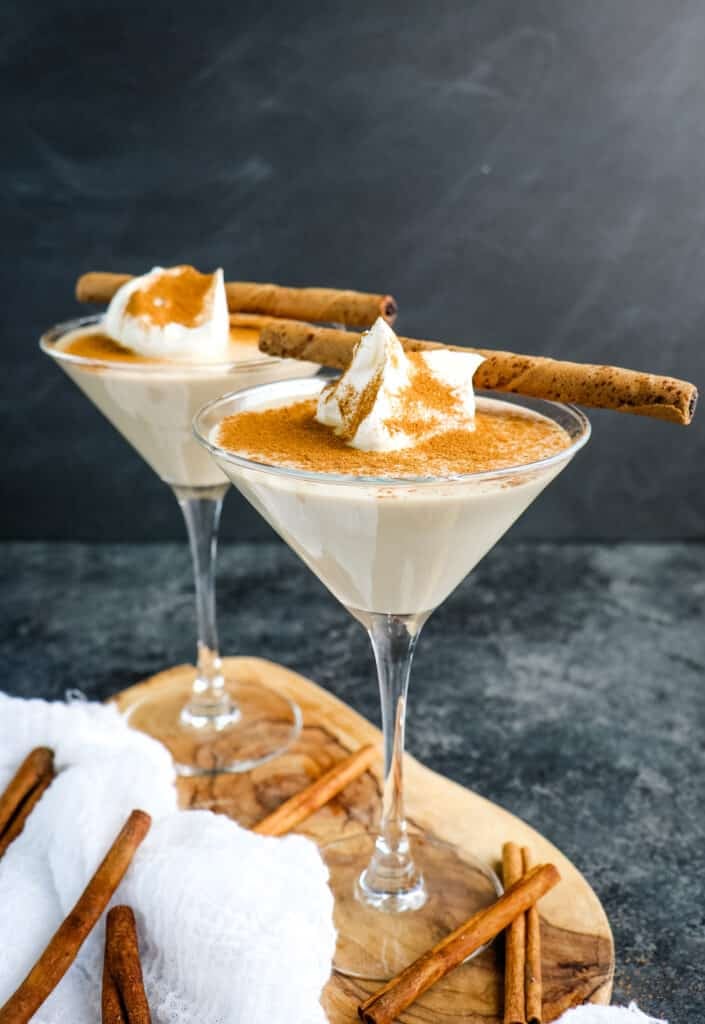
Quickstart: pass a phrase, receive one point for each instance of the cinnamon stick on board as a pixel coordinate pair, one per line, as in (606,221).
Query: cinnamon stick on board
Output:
(71,934)
(329,305)
(534,982)
(515,943)
(606,387)
(300,806)
(23,792)
(123,998)
(384,1006)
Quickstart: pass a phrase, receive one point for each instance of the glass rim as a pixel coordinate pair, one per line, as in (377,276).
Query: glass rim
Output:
(506,472)
(48,339)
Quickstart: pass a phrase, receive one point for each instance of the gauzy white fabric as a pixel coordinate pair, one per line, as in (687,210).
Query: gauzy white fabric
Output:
(607,1015)
(233,926)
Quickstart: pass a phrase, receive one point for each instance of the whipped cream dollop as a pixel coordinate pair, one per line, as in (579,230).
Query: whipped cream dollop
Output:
(387,399)
(174,313)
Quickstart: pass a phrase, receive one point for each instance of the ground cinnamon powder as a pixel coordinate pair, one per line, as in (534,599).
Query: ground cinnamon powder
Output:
(181,296)
(96,345)
(426,403)
(291,436)
(100,346)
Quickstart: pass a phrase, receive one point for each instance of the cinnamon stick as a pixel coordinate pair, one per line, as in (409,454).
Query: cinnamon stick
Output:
(515,943)
(606,387)
(124,1000)
(37,764)
(23,793)
(533,983)
(71,934)
(385,1005)
(328,305)
(300,806)
(110,1005)
(18,821)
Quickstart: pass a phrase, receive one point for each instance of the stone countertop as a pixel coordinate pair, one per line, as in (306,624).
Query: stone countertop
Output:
(565,682)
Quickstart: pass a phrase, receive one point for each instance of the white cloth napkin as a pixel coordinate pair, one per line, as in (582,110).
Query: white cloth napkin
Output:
(607,1015)
(233,926)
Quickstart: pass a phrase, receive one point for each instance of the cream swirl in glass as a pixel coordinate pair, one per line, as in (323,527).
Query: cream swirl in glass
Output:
(165,346)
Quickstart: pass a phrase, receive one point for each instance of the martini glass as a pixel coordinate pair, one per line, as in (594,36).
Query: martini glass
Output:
(391,550)
(211,722)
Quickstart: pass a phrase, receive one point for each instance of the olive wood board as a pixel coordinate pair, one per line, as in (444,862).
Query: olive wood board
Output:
(577,945)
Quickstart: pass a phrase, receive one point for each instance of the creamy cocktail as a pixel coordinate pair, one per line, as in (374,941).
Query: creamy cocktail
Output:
(384,544)
(164,347)
(152,403)
(391,483)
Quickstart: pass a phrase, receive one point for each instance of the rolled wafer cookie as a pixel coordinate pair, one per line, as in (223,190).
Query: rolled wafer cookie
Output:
(601,387)
(327,305)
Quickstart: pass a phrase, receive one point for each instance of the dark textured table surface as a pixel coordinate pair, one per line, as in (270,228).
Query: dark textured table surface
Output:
(566,683)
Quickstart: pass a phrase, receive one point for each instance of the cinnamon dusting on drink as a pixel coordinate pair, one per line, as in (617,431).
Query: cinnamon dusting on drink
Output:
(99,346)
(96,345)
(290,436)
(426,402)
(180,295)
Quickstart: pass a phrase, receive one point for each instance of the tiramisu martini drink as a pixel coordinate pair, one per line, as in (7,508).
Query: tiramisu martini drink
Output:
(164,347)
(391,482)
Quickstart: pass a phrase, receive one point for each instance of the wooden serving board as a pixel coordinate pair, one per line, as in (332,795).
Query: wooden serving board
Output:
(578,951)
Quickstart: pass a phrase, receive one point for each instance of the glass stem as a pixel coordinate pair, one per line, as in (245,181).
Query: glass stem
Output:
(392,881)
(210,705)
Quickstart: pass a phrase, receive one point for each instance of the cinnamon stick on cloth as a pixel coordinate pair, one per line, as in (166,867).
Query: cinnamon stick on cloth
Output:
(123,998)
(72,933)
(302,805)
(515,943)
(328,305)
(603,387)
(23,792)
(385,1005)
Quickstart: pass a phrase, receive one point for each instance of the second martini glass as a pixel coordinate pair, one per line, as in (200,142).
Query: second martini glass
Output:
(391,550)
(210,722)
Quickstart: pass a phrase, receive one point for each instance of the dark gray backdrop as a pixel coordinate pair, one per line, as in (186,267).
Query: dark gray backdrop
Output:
(526,175)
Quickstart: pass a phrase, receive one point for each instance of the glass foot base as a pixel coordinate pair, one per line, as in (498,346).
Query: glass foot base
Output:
(260,725)
(378,943)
